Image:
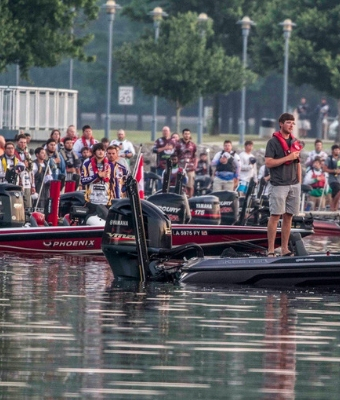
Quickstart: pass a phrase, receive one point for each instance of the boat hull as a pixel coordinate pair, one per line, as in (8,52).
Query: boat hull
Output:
(80,240)
(326,228)
(214,238)
(311,271)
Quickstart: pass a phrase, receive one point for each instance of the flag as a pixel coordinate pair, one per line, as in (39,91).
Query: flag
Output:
(139,175)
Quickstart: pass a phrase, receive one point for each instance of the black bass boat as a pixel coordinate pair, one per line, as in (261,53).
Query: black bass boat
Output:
(144,252)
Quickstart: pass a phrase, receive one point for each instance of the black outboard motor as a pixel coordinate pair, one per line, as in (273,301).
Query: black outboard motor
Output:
(175,206)
(202,185)
(119,240)
(205,210)
(67,200)
(12,211)
(229,206)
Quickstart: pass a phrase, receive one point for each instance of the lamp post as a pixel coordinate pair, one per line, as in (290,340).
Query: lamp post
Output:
(287,30)
(71,59)
(157,15)
(17,74)
(202,20)
(111,8)
(246,24)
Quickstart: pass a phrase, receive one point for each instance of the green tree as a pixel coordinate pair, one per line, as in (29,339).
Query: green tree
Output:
(180,67)
(42,32)
(224,14)
(314,44)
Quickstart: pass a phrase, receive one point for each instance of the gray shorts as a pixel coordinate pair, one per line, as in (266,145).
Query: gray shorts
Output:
(284,199)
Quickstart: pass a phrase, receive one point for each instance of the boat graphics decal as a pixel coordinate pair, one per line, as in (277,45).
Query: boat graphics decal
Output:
(69,243)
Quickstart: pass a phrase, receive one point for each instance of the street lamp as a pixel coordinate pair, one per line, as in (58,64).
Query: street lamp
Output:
(246,24)
(157,15)
(202,20)
(71,59)
(111,8)
(287,30)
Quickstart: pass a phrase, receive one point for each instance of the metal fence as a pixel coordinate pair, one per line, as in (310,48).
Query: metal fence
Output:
(36,110)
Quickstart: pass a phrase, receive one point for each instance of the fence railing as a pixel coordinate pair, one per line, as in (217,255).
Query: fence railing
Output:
(37,110)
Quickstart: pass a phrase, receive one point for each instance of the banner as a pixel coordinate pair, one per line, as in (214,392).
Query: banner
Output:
(139,175)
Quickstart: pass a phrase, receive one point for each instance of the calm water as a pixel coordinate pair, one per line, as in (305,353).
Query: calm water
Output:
(66,333)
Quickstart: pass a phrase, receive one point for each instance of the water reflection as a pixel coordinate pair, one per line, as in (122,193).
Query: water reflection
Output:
(66,332)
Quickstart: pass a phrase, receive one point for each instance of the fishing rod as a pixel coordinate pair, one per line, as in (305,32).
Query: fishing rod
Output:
(43,183)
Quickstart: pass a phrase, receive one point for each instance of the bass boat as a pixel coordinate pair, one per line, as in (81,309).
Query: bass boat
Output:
(143,251)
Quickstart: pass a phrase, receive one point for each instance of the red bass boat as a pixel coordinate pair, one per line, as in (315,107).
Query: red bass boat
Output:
(86,237)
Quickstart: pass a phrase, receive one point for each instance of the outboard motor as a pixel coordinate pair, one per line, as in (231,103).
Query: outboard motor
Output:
(229,206)
(205,210)
(175,206)
(82,215)
(67,200)
(12,211)
(119,239)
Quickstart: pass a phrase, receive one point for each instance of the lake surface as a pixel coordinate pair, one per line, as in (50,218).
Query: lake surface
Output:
(67,332)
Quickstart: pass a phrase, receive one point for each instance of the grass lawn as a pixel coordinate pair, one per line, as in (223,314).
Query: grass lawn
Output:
(144,137)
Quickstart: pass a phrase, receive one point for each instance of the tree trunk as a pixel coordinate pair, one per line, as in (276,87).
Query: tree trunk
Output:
(215,126)
(178,117)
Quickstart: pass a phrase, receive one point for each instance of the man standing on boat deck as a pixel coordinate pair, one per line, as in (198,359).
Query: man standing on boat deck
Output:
(282,158)
(119,172)
(95,176)
(186,150)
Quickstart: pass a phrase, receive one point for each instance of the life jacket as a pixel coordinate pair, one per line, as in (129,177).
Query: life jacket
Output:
(318,184)
(229,166)
(295,145)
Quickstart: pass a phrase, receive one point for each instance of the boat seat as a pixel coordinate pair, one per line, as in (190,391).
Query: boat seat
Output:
(296,244)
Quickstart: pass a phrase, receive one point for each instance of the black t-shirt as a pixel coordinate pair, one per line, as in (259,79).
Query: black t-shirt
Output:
(284,174)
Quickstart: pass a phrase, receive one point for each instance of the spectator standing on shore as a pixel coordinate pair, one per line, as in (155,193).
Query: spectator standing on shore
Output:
(85,154)
(332,166)
(126,148)
(322,111)
(174,171)
(186,150)
(87,139)
(71,132)
(105,142)
(175,137)
(317,152)
(203,167)
(56,135)
(57,163)
(2,145)
(71,160)
(303,122)
(163,147)
(227,169)
(248,169)
(285,182)
(42,176)
(317,179)
(8,162)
